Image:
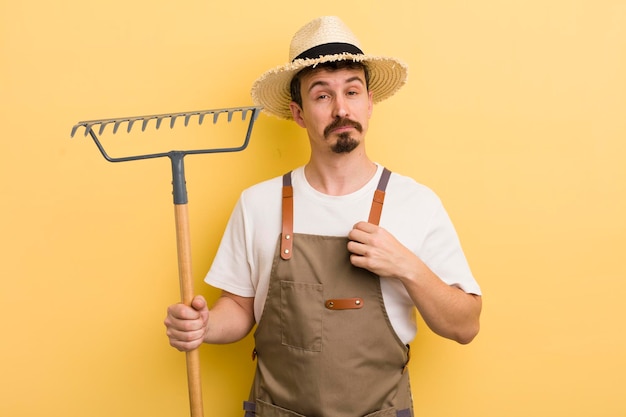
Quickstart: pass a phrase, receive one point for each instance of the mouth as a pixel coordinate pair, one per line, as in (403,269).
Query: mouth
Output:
(342,129)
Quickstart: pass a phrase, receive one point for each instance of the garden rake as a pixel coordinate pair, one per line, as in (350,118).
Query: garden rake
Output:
(180,203)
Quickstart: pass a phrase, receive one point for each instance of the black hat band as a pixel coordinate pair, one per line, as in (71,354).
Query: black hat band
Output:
(334,48)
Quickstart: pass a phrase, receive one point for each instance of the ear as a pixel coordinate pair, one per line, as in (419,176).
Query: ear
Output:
(370,106)
(296,112)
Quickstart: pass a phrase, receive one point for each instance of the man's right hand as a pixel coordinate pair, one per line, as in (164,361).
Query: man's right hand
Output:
(187,326)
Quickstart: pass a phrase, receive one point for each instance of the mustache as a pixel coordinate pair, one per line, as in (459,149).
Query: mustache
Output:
(341,122)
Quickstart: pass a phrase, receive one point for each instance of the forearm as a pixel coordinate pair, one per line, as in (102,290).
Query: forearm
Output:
(447,310)
(230,319)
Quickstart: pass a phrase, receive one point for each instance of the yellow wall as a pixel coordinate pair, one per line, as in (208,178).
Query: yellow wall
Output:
(515,113)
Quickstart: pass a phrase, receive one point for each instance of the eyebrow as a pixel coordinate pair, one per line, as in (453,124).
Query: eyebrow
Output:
(324,83)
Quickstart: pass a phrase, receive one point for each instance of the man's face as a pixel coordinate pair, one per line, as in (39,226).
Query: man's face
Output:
(336,108)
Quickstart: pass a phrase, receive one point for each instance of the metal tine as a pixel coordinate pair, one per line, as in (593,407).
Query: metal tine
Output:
(88,127)
(102,126)
(244,113)
(74,129)
(117,125)
(188,117)
(201,115)
(217,113)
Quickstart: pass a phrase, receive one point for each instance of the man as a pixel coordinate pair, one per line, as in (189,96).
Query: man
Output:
(333,259)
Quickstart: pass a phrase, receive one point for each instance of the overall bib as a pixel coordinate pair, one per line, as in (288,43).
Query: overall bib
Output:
(324,344)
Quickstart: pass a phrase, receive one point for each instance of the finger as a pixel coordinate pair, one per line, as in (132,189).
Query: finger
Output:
(185,336)
(182,312)
(357,260)
(356,248)
(185,325)
(184,330)
(357,235)
(365,226)
(185,346)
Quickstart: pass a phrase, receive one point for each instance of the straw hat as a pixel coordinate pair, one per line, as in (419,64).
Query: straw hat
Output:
(324,39)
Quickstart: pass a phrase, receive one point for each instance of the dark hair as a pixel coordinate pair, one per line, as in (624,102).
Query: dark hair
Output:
(296,94)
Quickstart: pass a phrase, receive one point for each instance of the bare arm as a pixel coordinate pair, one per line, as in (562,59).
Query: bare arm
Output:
(447,310)
(230,319)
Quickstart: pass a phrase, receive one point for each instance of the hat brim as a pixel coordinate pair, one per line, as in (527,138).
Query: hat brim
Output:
(272,89)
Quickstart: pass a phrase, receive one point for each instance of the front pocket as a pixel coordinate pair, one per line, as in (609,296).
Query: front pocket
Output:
(301,309)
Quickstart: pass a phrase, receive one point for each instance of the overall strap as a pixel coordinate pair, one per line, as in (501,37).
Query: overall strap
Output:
(286,239)
(379,198)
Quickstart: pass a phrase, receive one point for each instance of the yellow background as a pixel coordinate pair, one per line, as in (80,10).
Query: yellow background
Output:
(515,114)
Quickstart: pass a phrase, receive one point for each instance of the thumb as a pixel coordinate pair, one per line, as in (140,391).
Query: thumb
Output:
(199,303)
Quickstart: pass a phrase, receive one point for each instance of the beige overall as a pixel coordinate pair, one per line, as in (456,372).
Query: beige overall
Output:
(324,344)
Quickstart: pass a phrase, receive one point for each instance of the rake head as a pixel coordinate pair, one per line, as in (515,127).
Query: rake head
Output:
(100,125)
(176,157)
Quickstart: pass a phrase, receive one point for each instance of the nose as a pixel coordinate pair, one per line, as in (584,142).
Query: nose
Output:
(340,109)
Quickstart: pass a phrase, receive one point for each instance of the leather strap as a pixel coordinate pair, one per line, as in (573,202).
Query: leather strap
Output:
(286,238)
(344,303)
(379,198)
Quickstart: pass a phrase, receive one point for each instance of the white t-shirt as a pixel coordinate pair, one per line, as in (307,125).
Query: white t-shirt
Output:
(411,212)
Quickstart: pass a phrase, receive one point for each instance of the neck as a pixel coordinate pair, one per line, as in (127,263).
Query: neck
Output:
(340,176)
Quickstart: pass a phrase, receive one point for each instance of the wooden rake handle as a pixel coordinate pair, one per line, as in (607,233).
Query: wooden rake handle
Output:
(183,243)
